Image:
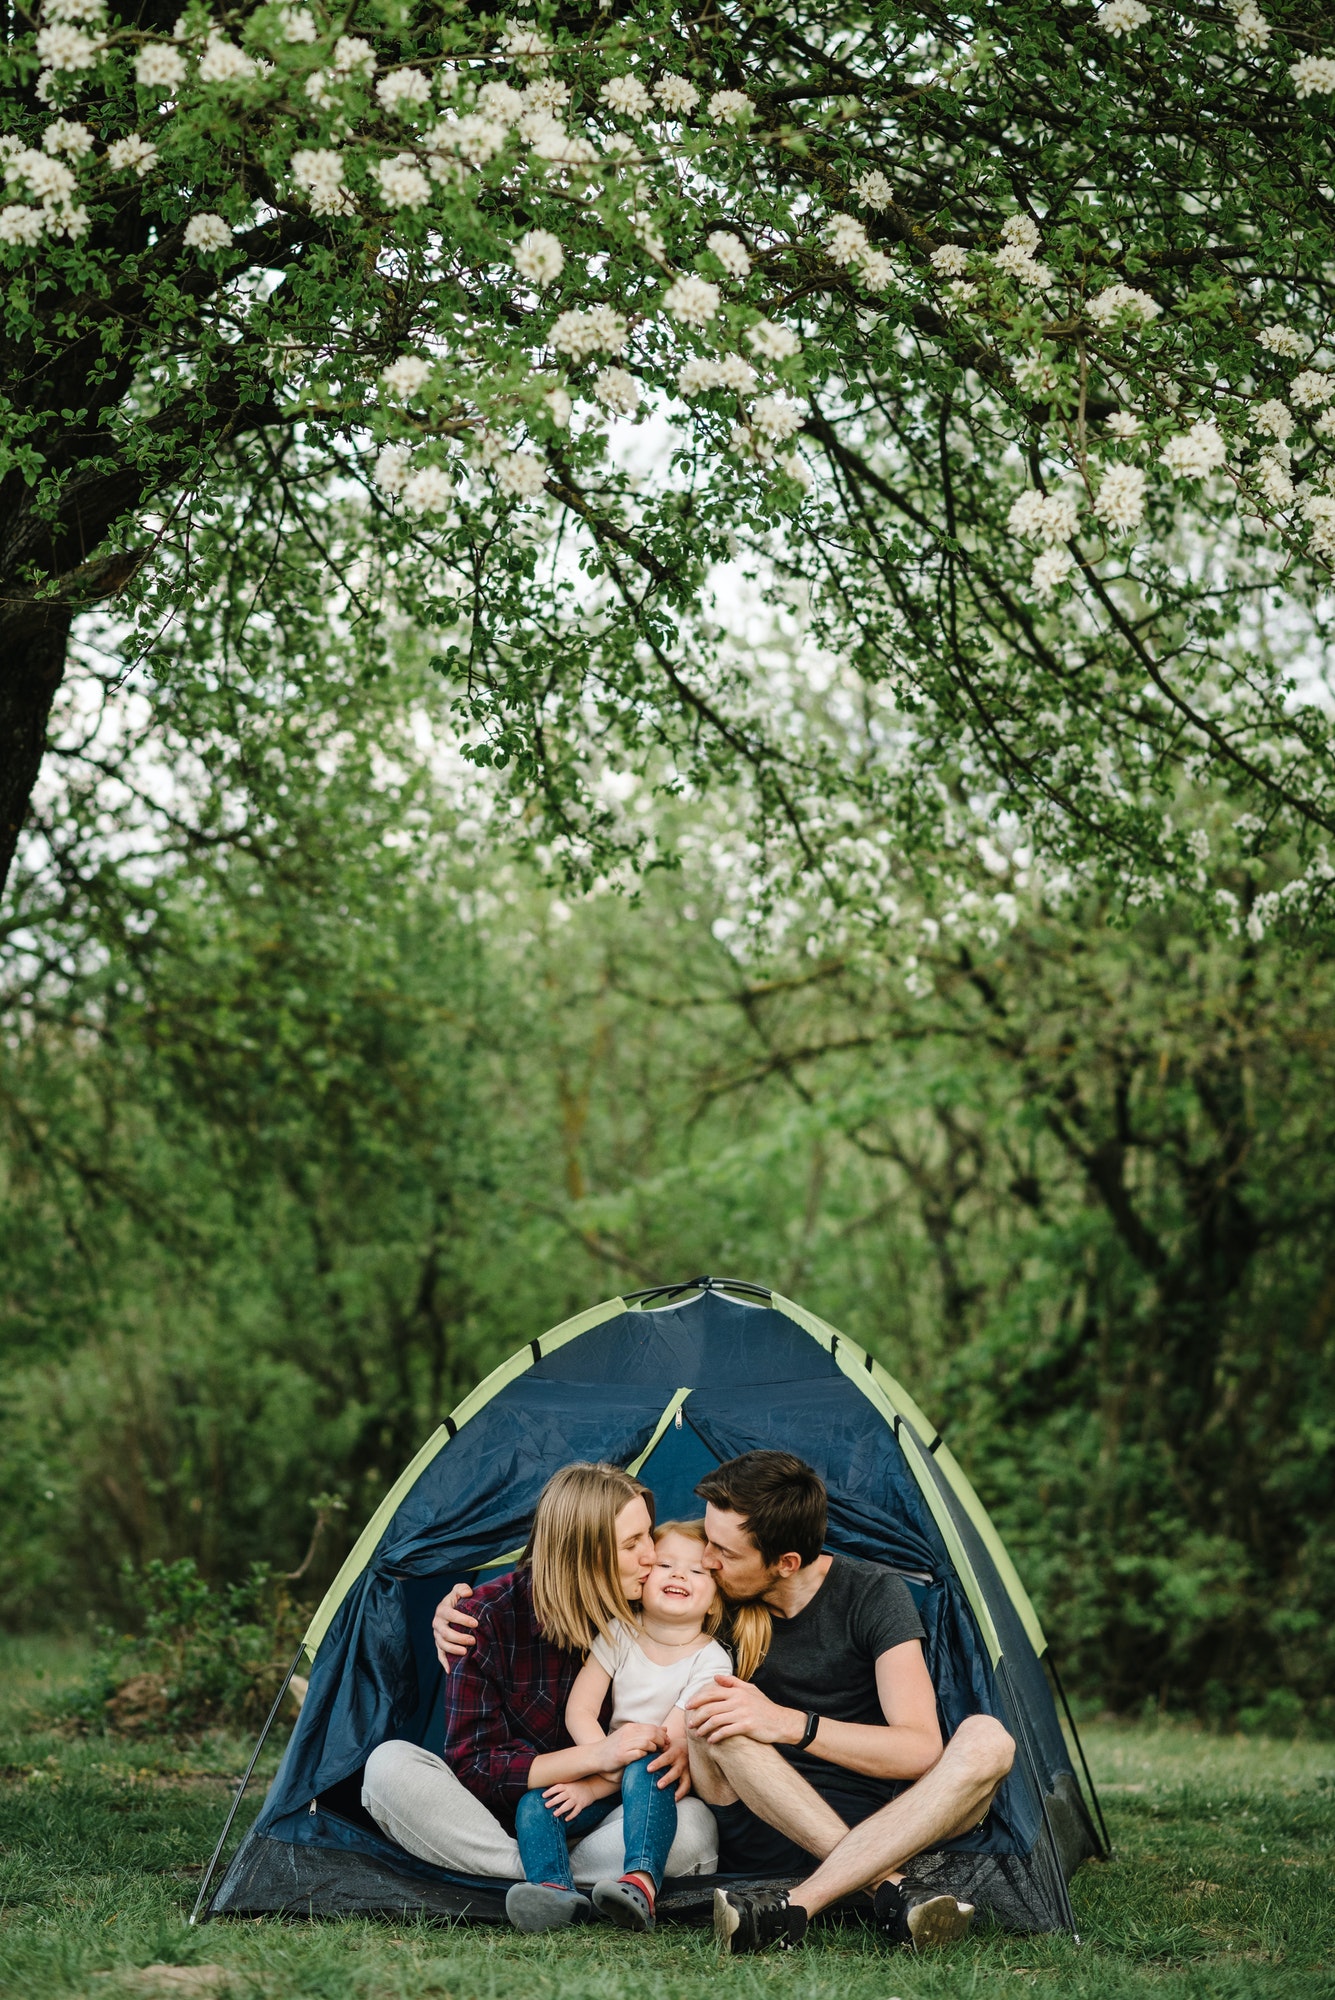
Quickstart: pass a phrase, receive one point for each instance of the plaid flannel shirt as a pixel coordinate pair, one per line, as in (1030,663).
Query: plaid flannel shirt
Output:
(505,1704)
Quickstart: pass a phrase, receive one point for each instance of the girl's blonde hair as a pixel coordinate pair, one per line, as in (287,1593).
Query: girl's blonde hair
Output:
(748,1625)
(572,1553)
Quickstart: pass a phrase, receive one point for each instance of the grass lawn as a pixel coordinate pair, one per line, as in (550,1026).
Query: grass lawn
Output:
(1223,1885)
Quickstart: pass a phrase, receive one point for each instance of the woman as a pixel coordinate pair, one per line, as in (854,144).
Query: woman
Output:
(589,1554)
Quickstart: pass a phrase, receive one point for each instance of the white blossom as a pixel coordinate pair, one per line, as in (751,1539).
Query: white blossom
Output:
(1311,389)
(1051,569)
(319,174)
(873,190)
(1050,516)
(1035,375)
(132,154)
(618,391)
(1121,17)
(847,239)
(620,146)
(538,256)
(525,45)
(351,53)
(1273,479)
(627,95)
(429,490)
(731,252)
(1251,27)
(1018,264)
(735,374)
(1022,232)
(207,232)
(520,474)
(223,62)
(876,270)
(407,375)
(776,419)
(696,375)
(692,300)
(551,141)
(65,49)
(1273,417)
(1114,300)
(403,90)
(47,179)
(950,261)
(478,139)
(558,404)
(1124,424)
(1284,341)
(546,93)
(21,225)
(729,107)
(298,24)
(1121,498)
(402,182)
(772,342)
(1313,76)
(1325,424)
(503,101)
(67,136)
(74,10)
(391,468)
(796,468)
(1318,509)
(1200,451)
(959,292)
(600,330)
(676,94)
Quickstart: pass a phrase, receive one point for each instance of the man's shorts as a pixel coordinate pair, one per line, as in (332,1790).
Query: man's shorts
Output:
(748,1845)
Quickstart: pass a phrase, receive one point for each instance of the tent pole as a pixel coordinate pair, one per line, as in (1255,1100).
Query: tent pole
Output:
(1080,1752)
(1026,1744)
(241,1788)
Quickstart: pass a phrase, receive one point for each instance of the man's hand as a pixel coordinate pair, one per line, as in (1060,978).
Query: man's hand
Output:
(730,1707)
(675,1765)
(631,1742)
(451,1628)
(569,1799)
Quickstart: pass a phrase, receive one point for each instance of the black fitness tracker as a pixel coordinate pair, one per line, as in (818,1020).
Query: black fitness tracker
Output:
(813,1724)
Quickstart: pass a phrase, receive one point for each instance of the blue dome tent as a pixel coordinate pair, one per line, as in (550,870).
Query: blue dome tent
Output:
(669,1384)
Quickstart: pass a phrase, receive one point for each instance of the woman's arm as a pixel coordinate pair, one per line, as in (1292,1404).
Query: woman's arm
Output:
(586,1702)
(608,1757)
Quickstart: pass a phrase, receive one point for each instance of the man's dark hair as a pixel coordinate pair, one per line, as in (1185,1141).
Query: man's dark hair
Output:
(782,1502)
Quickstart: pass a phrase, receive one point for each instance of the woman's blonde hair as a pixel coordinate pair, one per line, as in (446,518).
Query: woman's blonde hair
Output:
(572,1553)
(748,1626)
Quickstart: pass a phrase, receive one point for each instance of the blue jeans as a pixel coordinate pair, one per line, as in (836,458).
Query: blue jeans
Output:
(650,1826)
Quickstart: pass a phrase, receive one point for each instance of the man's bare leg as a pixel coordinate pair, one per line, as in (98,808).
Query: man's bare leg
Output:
(755,1773)
(953,1797)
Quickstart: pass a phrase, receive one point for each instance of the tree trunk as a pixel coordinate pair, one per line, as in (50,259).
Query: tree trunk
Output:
(32,665)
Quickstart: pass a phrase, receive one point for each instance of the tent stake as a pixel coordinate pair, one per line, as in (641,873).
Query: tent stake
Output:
(241,1788)
(1080,1752)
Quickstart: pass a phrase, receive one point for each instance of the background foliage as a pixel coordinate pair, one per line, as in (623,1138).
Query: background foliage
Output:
(318,1098)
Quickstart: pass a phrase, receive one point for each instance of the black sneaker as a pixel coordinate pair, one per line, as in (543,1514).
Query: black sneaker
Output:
(745,1922)
(907,1913)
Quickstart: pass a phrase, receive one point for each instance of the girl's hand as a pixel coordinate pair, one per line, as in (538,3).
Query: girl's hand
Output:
(451,1628)
(568,1800)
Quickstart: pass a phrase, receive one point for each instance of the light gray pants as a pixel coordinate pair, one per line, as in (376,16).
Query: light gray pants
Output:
(414,1797)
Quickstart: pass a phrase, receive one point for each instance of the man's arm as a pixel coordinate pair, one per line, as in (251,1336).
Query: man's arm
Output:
(906,1746)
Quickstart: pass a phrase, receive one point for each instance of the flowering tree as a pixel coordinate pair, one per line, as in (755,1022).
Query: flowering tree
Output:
(992,335)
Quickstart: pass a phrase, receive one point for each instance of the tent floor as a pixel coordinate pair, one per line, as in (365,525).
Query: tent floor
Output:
(283,1878)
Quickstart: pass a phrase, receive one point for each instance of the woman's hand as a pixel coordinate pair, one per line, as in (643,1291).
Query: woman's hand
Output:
(674,1767)
(568,1800)
(451,1628)
(631,1742)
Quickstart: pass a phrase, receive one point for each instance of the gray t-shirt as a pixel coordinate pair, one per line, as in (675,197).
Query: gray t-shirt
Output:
(825,1658)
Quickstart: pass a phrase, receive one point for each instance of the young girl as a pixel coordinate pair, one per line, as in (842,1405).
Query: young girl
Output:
(652,1668)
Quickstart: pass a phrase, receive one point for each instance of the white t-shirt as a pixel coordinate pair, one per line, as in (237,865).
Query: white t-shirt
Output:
(642,1691)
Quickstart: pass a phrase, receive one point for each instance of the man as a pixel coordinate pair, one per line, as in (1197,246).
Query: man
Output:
(834,1748)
